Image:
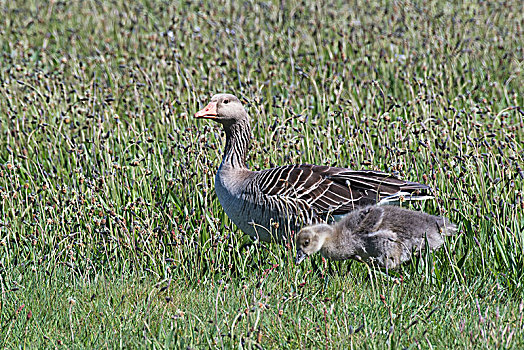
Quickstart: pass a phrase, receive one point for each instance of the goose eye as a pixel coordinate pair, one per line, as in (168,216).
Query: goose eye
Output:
(226,102)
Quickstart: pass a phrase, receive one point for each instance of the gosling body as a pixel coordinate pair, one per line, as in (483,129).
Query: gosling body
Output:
(385,236)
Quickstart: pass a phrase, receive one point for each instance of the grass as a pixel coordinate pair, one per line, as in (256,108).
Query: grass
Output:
(111,234)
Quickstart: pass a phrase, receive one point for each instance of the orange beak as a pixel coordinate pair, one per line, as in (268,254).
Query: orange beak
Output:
(209,112)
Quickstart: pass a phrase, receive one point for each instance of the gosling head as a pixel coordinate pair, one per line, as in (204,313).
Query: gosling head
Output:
(223,108)
(310,240)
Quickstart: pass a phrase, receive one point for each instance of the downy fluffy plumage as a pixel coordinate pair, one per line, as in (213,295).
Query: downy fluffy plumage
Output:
(382,235)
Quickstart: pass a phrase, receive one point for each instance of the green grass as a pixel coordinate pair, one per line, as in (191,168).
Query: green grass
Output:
(110,231)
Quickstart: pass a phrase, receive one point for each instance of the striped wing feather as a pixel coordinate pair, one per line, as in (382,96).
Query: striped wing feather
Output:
(327,190)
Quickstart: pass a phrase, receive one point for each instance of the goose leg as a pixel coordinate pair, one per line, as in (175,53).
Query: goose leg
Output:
(258,246)
(348,266)
(315,268)
(386,273)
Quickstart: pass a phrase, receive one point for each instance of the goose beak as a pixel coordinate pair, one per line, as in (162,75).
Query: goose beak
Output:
(300,256)
(209,112)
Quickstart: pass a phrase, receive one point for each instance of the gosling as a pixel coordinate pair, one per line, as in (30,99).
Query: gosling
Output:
(383,236)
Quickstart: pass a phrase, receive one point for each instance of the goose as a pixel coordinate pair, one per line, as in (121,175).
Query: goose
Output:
(383,236)
(272,204)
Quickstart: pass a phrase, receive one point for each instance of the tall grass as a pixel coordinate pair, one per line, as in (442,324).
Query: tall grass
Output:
(110,231)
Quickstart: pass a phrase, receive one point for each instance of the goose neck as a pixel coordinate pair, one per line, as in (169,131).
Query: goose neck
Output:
(238,137)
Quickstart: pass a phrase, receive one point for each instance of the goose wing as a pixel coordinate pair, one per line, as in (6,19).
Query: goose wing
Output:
(379,187)
(328,190)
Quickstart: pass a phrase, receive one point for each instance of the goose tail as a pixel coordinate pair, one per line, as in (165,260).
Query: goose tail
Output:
(396,198)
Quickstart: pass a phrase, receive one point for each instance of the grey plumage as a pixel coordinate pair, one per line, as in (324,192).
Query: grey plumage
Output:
(383,235)
(272,203)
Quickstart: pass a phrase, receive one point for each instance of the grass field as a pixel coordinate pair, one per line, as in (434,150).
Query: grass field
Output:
(110,231)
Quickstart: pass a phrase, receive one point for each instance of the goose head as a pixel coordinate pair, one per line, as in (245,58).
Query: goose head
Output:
(310,240)
(223,108)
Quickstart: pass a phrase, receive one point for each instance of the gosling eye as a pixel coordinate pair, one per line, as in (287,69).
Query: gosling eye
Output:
(306,242)
(225,102)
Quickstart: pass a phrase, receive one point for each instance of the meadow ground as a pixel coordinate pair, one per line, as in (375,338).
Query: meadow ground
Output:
(111,234)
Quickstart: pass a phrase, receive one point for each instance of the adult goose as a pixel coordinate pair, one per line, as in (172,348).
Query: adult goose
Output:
(272,204)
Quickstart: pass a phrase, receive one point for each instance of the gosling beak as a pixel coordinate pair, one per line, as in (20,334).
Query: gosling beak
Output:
(209,112)
(300,256)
